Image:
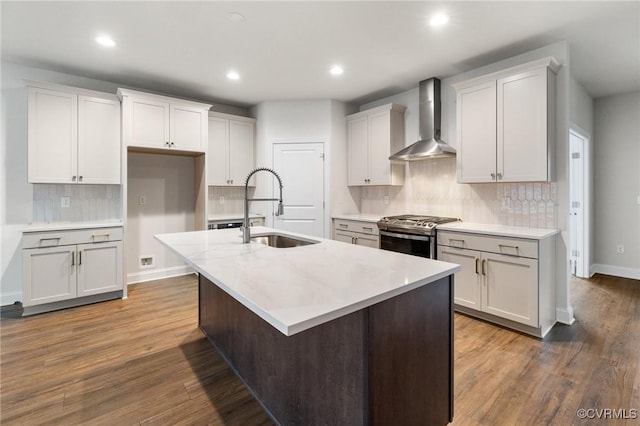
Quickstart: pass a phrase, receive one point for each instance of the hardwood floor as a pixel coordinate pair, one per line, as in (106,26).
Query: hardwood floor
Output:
(143,361)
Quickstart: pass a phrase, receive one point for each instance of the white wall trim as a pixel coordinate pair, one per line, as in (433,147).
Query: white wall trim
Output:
(565,316)
(616,271)
(10,298)
(157,274)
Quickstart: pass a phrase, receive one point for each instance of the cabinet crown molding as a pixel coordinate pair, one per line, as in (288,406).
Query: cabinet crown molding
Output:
(70,89)
(381,108)
(214,114)
(548,62)
(122,93)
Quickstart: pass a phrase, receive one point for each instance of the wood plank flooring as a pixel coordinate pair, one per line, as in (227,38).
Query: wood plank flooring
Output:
(143,361)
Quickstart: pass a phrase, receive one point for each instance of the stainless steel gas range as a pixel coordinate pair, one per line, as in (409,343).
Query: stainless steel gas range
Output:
(411,234)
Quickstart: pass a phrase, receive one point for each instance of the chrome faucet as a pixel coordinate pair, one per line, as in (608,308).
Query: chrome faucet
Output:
(246,230)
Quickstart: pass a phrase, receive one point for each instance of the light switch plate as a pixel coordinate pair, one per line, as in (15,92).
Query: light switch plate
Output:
(65,202)
(385,200)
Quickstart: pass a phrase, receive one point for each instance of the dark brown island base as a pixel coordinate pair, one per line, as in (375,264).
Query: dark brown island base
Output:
(388,364)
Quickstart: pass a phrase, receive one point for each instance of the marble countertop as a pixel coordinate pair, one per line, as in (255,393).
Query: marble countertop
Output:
(359,217)
(295,289)
(65,226)
(499,230)
(230,216)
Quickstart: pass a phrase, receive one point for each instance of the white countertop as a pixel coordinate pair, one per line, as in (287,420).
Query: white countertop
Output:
(230,216)
(41,227)
(499,230)
(359,217)
(295,289)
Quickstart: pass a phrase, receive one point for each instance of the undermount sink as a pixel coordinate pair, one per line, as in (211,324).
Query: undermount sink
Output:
(280,241)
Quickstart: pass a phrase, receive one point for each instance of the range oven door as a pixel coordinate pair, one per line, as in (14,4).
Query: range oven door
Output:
(417,245)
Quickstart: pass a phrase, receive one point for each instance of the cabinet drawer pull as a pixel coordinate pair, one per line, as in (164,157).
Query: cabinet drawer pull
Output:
(477,265)
(106,235)
(50,239)
(508,246)
(460,240)
(367,228)
(344,225)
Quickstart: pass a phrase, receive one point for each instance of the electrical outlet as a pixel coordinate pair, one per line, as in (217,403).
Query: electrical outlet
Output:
(385,200)
(221,200)
(146,261)
(65,202)
(142,200)
(620,249)
(506,203)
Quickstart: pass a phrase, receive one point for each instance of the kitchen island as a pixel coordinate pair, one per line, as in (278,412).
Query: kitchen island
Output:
(328,333)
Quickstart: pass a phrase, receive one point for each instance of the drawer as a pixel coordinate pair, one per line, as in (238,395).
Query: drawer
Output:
(488,243)
(355,226)
(69,237)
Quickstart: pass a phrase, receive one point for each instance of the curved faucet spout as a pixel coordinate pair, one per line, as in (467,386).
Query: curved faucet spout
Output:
(246,230)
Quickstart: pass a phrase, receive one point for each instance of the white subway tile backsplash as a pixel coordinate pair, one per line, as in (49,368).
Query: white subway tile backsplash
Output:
(431,188)
(89,203)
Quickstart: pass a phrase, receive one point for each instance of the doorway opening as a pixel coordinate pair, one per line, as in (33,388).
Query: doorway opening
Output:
(579,211)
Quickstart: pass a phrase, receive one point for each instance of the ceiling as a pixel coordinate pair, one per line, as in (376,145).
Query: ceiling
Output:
(283,50)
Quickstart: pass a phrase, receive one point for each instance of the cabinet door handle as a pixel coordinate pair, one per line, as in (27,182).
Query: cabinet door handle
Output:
(355,240)
(493,176)
(79,178)
(172,143)
(477,265)
(499,176)
(79,258)
(73,178)
(73,258)
(484,271)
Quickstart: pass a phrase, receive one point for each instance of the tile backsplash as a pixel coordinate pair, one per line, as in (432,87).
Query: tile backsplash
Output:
(227,199)
(431,188)
(88,203)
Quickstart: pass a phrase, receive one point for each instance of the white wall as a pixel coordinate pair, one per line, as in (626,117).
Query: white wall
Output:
(617,184)
(168,185)
(304,121)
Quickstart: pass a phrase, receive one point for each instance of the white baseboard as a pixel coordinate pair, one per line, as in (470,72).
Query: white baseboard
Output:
(565,316)
(157,274)
(10,298)
(616,271)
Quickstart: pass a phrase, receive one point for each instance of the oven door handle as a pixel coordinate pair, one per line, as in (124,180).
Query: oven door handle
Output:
(405,236)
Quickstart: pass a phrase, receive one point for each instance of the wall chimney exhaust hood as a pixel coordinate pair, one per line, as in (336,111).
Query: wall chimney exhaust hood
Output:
(429,146)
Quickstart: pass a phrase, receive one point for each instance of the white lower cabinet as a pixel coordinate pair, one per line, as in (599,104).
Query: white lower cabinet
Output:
(503,279)
(62,268)
(356,232)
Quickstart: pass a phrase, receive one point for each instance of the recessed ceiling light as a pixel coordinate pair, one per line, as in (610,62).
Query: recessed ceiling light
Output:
(232,75)
(236,17)
(105,41)
(439,19)
(336,70)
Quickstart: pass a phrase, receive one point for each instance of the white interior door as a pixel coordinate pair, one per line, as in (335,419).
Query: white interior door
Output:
(576,212)
(301,168)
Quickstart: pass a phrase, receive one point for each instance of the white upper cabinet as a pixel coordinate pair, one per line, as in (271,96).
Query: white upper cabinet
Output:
(230,156)
(73,135)
(372,136)
(505,124)
(163,123)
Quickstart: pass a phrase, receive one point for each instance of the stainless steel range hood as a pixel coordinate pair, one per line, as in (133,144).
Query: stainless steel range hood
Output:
(429,145)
